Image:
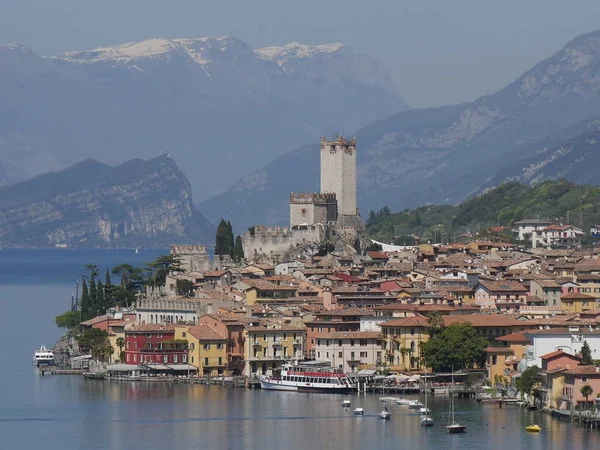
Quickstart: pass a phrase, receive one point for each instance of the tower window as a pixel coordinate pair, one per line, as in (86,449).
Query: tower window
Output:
(303,212)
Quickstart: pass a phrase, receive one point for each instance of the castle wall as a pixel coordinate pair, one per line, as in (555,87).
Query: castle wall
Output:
(194,258)
(275,242)
(312,208)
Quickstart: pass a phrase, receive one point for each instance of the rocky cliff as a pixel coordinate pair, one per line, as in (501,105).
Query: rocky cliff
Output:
(138,203)
(441,155)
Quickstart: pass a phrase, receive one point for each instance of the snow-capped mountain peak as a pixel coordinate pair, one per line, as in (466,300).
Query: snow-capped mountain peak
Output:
(297,50)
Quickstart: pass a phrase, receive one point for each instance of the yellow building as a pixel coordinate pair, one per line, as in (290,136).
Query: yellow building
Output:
(577,302)
(267,348)
(553,390)
(207,348)
(402,340)
(503,360)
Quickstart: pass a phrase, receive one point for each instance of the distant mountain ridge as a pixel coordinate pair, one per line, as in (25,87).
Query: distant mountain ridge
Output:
(217,105)
(138,203)
(445,154)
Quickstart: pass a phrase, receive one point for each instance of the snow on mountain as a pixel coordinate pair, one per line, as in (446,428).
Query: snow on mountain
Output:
(297,50)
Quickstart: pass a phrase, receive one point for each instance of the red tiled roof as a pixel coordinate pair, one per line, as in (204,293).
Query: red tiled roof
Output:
(503,286)
(514,337)
(584,370)
(414,321)
(203,332)
(499,350)
(577,296)
(483,320)
(556,353)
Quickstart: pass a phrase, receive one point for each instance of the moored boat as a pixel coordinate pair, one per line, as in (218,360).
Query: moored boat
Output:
(358,411)
(346,404)
(415,404)
(43,357)
(385,414)
(388,399)
(402,402)
(533,428)
(308,378)
(426,421)
(453,425)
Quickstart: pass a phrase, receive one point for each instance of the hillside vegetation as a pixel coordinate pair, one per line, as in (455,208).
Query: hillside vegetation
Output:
(558,201)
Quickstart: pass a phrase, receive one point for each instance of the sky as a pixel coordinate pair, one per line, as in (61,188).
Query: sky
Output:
(437,51)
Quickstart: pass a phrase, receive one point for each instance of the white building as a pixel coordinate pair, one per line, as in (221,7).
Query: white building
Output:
(525,229)
(348,350)
(559,236)
(570,340)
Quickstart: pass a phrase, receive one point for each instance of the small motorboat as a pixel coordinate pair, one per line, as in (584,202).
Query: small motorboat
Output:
(346,404)
(424,411)
(358,411)
(426,421)
(533,428)
(456,428)
(415,404)
(402,402)
(385,414)
(388,399)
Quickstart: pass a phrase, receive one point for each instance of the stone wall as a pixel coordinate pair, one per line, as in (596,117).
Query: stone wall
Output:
(312,208)
(194,258)
(274,242)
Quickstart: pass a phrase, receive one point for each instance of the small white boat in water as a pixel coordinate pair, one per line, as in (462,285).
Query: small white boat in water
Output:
(415,404)
(402,402)
(424,411)
(426,421)
(358,411)
(43,357)
(388,399)
(385,414)
(346,404)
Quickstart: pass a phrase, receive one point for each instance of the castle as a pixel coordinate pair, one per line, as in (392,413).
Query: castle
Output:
(315,217)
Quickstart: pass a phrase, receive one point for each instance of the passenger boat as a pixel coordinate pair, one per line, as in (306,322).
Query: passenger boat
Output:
(359,411)
(533,428)
(388,399)
(346,404)
(308,378)
(43,357)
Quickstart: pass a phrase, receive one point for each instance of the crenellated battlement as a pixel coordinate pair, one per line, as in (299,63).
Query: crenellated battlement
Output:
(188,249)
(312,197)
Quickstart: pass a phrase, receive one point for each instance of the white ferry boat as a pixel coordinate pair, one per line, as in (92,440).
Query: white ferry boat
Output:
(308,378)
(43,356)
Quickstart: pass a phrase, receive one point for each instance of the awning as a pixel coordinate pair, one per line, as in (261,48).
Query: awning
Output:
(179,367)
(156,367)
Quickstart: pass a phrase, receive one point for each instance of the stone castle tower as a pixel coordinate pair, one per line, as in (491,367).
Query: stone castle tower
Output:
(338,173)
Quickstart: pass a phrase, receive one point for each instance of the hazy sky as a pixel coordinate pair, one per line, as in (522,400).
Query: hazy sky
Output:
(438,51)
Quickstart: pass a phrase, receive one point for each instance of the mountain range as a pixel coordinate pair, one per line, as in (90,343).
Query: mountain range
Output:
(220,107)
(543,125)
(138,203)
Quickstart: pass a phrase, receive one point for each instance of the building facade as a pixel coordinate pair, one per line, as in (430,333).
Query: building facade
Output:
(267,348)
(154,344)
(350,350)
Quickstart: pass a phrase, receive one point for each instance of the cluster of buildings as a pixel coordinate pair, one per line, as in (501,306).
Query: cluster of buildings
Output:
(371,312)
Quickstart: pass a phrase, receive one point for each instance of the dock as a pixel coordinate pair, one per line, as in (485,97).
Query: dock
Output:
(54,370)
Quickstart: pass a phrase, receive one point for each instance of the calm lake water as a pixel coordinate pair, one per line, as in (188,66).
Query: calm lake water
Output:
(68,412)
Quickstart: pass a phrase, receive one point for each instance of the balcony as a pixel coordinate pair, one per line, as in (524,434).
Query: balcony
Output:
(268,358)
(297,342)
(214,362)
(256,344)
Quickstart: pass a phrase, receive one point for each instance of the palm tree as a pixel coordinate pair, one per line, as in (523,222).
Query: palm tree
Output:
(120,343)
(586,391)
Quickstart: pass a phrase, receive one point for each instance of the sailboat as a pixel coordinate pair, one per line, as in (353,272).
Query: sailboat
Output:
(453,425)
(426,420)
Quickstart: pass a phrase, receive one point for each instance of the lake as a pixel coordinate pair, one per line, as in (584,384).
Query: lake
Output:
(69,412)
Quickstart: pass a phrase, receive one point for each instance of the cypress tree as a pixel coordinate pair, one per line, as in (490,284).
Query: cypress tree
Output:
(100,299)
(221,239)
(586,355)
(85,301)
(238,251)
(229,239)
(107,280)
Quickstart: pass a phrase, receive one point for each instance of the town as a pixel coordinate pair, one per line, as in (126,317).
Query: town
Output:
(523,321)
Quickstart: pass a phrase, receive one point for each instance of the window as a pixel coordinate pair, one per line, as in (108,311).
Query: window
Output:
(363,342)
(319,342)
(318,354)
(584,379)
(351,342)
(165,359)
(284,337)
(175,359)
(205,346)
(220,361)
(128,357)
(134,358)
(340,355)
(352,355)
(327,355)
(340,343)
(219,346)
(327,343)
(192,346)
(184,334)
(206,361)
(363,354)
(412,331)
(127,346)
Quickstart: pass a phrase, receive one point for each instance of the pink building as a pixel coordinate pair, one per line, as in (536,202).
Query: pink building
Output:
(559,360)
(575,379)
(504,295)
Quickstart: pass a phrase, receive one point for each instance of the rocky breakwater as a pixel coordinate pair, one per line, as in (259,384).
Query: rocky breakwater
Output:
(138,203)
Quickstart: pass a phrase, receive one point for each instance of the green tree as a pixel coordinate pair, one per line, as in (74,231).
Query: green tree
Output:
(184,287)
(221,239)
(238,250)
(107,280)
(124,271)
(101,305)
(68,320)
(374,247)
(120,343)
(85,302)
(161,267)
(92,339)
(372,216)
(458,346)
(435,323)
(530,380)
(586,391)
(230,243)
(586,355)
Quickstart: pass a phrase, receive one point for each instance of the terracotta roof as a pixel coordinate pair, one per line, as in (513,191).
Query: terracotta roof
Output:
(203,332)
(503,286)
(584,370)
(347,312)
(277,328)
(216,273)
(484,320)
(353,335)
(263,285)
(499,350)
(514,337)
(151,328)
(547,283)
(95,320)
(577,296)
(414,321)
(558,353)
(377,255)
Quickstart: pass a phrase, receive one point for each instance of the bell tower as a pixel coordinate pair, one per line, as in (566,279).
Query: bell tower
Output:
(338,173)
